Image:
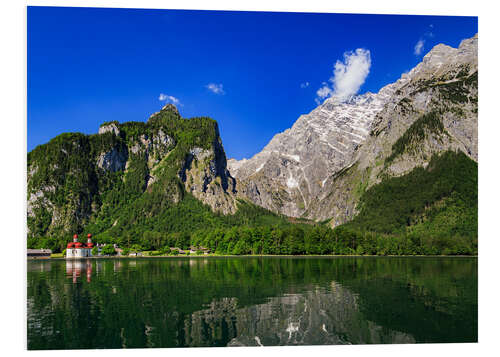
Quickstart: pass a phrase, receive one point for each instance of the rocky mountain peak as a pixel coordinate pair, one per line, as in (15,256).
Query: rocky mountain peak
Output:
(111,127)
(170,107)
(443,59)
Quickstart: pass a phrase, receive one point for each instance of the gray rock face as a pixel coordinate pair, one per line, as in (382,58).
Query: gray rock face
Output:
(113,160)
(155,148)
(294,167)
(38,199)
(171,108)
(109,128)
(314,168)
(205,175)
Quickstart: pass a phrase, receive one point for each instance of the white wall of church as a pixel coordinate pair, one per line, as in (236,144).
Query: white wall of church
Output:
(78,252)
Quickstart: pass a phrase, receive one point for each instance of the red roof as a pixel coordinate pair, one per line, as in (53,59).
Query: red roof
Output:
(70,245)
(78,245)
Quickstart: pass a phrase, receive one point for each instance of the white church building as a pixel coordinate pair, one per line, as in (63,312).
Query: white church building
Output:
(77,249)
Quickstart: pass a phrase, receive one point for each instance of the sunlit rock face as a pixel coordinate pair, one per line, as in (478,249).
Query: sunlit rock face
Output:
(316,317)
(205,175)
(312,170)
(294,166)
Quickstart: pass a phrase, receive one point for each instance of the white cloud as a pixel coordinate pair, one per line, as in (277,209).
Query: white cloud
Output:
(324,91)
(169,99)
(304,85)
(348,76)
(216,88)
(419,47)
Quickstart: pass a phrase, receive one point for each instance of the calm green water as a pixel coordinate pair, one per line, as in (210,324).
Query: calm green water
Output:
(177,302)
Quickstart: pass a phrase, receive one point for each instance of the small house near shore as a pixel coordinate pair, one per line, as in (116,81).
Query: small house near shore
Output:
(199,250)
(39,253)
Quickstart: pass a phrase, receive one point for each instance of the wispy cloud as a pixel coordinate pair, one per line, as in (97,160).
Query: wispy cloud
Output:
(348,76)
(216,88)
(169,99)
(419,47)
(304,85)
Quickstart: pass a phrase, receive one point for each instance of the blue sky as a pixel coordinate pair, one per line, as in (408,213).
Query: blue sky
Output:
(253,72)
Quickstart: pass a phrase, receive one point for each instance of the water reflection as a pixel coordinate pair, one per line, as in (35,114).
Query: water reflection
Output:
(250,302)
(39,266)
(319,316)
(117,265)
(74,269)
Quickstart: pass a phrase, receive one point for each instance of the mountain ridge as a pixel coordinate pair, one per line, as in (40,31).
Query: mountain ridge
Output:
(334,136)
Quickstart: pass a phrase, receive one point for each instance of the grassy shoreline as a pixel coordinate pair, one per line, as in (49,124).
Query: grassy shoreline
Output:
(261,255)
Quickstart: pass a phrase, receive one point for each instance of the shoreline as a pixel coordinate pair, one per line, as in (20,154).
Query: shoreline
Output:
(257,255)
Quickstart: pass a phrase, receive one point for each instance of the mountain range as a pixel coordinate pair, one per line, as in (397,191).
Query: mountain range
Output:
(333,167)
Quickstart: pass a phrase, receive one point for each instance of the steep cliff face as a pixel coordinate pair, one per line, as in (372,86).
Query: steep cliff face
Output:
(319,168)
(205,175)
(75,179)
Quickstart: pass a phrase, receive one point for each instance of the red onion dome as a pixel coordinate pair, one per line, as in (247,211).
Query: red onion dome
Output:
(75,236)
(89,235)
(70,245)
(78,244)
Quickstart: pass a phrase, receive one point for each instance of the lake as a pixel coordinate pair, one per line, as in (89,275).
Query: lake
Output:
(250,301)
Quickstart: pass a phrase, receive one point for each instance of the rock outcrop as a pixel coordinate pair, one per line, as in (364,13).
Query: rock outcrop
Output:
(205,175)
(111,127)
(112,160)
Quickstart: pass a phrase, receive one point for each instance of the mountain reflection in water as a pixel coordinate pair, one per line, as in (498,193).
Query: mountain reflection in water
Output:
(315,317)
(250,301)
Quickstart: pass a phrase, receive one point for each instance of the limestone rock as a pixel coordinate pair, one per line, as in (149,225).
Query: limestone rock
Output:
(205,175)
(109,128)
(113,160)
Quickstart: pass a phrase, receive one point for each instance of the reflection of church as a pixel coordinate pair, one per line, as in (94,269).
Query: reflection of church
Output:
(77,249)
(74,269)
